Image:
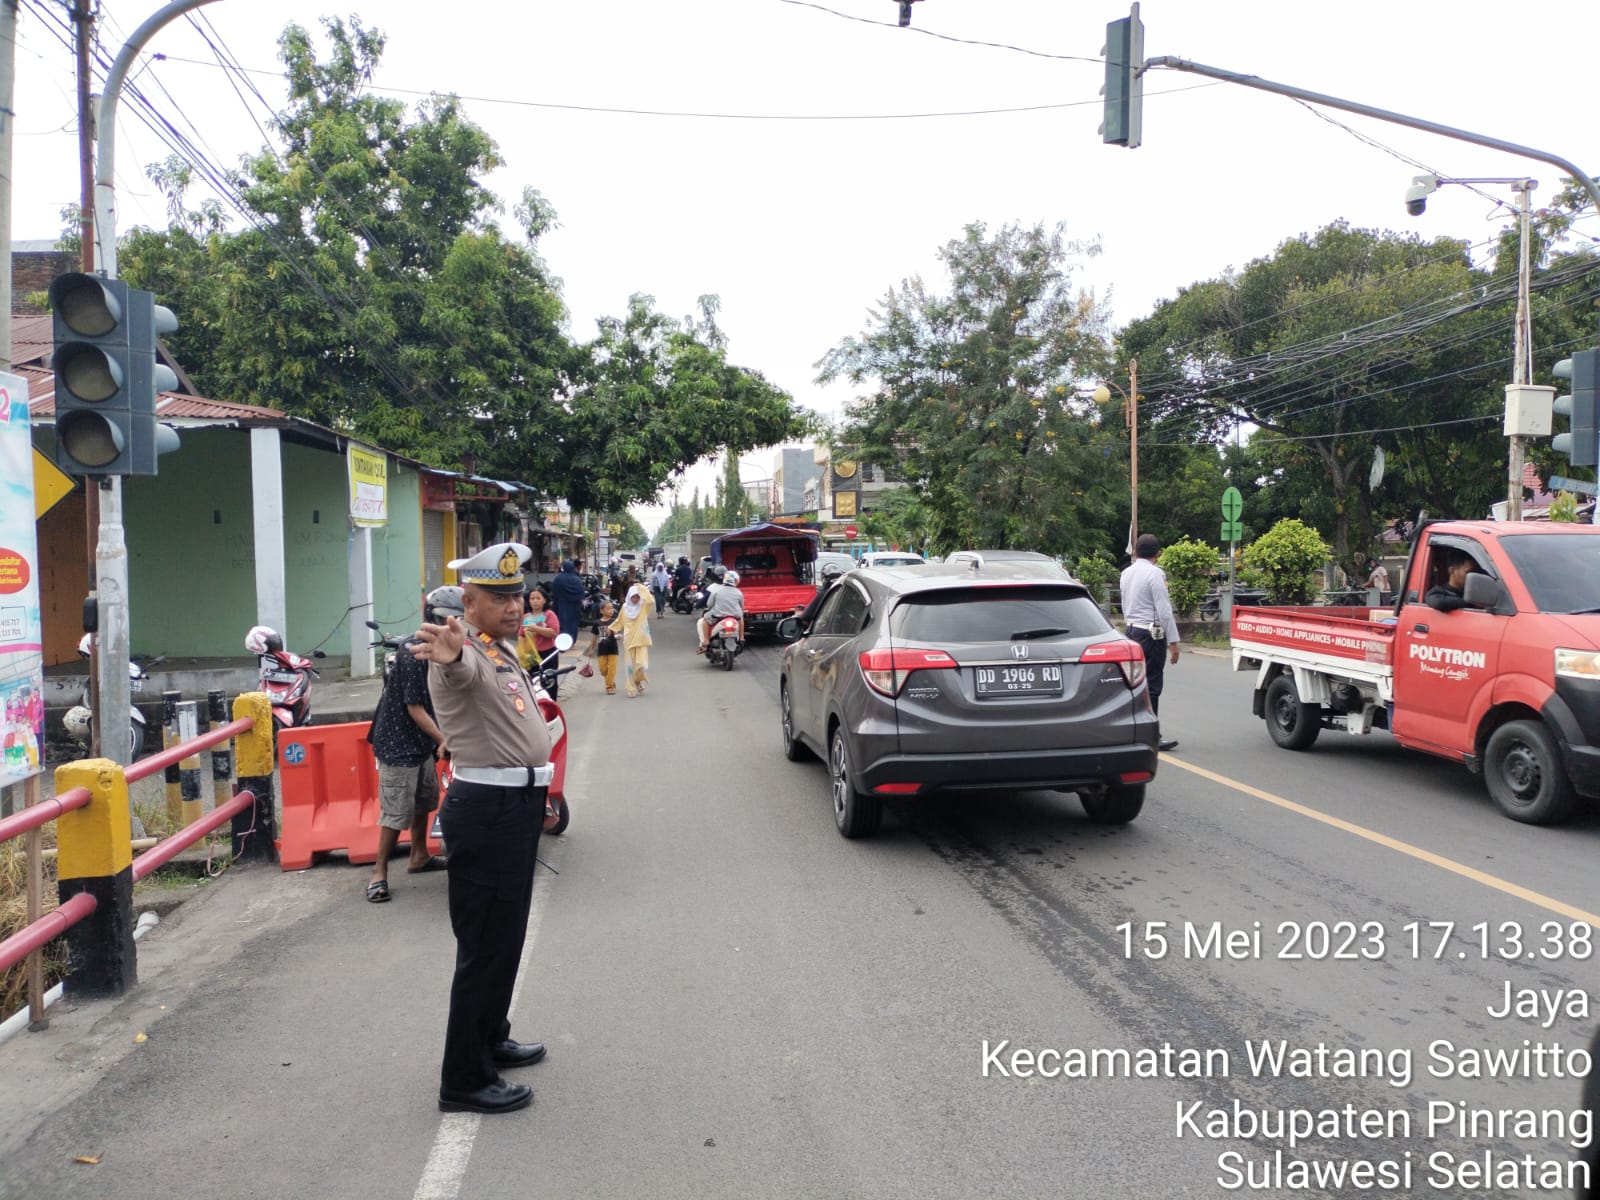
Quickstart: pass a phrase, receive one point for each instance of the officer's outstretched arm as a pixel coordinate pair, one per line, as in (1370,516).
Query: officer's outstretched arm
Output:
(440,643)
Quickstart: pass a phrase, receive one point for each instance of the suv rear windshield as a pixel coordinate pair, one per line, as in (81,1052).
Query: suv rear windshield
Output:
(1000,614)
(1562,572)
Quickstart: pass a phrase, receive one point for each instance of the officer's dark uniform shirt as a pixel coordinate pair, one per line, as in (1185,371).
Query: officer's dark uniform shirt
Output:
(396,739)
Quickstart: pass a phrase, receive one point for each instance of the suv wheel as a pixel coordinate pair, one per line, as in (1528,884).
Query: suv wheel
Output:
(1522,768)
(855,814)
(1117,805)
(793,749)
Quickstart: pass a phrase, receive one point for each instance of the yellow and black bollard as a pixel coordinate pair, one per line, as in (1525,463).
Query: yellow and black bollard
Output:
(96,856)
(189,768)
(221,755)
(255,829)
(169,739)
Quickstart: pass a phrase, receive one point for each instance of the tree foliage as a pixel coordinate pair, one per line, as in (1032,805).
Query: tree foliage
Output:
(371,291)
(972,395)
(1285,561)
(1189,566)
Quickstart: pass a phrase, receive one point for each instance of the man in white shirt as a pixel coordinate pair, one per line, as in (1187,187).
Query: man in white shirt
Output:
(1151,624)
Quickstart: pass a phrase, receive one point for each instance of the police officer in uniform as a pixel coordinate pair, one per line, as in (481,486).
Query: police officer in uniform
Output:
(491,819)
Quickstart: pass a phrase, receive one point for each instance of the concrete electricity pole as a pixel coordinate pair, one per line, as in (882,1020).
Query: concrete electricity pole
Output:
(111,548)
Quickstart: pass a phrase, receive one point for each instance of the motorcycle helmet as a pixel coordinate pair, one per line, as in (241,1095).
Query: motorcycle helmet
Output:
(831,571)
(716,572)
(731,578)
(683,560)
(445,602)
(77,721)
(262,639)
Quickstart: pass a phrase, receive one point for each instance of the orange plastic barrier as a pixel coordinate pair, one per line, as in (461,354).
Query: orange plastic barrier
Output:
(330,795)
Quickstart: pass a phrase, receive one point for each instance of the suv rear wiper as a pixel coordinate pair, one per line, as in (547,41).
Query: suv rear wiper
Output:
(1023,635)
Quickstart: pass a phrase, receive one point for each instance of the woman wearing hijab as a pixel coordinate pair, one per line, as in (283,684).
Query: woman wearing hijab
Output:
(633,623)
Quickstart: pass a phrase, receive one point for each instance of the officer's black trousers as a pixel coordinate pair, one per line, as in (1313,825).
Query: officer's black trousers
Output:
(1155,664)
(491,835)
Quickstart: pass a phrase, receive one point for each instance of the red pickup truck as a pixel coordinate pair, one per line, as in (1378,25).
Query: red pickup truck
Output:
(1500,672)
(775,565)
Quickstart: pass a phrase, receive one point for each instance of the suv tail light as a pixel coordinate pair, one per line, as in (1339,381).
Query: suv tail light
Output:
(1126,654)
(886,670)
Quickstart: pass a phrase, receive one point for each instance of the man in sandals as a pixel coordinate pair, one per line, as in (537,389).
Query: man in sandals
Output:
(406,740)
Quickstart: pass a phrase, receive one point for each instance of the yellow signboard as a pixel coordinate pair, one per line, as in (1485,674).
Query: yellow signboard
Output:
(369,486)
(844,504)
(50,484)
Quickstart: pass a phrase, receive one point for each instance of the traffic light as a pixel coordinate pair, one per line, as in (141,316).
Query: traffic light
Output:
(1124,89)
(1582,444)
(107,377)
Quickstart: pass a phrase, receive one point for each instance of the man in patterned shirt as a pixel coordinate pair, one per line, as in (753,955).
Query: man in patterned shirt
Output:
(406,740)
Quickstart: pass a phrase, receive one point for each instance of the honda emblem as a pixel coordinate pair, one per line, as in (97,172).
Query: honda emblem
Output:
(1018,650)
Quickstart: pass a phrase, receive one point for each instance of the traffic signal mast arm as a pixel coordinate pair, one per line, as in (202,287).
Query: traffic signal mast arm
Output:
(1381,114)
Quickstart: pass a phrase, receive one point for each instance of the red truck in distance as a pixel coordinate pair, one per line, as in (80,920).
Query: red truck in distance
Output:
(1507,684)
(776,570)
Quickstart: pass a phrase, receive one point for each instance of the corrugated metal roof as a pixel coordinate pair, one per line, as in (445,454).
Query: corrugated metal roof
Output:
(32,338)
(169,406)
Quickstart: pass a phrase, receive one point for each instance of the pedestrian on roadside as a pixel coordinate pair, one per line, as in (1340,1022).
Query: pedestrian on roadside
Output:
(566,596)
(603,646)
(1378,581)
(537,642)
(1148,611)
(407,743)
(633,623)
(491,817)
(660,581)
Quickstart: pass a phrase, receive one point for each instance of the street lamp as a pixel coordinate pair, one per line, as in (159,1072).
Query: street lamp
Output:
(1422,186)
(1130,400)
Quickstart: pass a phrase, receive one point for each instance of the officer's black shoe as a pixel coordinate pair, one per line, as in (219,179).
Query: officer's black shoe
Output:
(1168,744)
(498,1097)
(517,1054)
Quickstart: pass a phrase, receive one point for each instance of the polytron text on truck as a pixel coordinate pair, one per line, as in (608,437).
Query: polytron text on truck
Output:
(1508,685)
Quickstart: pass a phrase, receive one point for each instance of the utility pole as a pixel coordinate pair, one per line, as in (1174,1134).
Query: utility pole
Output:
(1520,367)
(110,579)
(8,77)
(83,37)
(1133,452)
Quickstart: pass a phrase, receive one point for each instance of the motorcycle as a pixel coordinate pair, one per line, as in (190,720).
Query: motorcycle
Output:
(724,644)
(557,813)
(285,677)
(79,720)
(390,645)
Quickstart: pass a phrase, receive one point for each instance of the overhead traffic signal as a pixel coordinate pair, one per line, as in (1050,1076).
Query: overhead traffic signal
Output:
(1581,444)
(1124,89)
(107,377)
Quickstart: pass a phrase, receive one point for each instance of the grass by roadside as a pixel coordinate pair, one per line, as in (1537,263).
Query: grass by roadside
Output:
(162,890)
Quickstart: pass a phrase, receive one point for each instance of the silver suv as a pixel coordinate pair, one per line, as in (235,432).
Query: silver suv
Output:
(963,676)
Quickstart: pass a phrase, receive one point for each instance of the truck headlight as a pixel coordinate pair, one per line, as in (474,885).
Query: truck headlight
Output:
(1578,664)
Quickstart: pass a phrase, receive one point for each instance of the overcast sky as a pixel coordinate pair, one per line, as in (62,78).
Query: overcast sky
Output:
(800,223)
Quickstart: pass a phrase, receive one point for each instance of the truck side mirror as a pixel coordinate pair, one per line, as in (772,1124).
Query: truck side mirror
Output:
(1481,591)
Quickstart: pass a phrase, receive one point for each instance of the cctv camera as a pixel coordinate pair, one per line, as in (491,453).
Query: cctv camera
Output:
(1422,186)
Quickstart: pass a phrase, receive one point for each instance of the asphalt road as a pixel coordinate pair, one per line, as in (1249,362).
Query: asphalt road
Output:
(741,1003)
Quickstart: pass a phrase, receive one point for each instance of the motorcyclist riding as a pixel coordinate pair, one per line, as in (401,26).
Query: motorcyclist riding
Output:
(831,574)
(722,600)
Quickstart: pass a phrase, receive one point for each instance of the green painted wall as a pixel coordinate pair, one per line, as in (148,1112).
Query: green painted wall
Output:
(397,554)
(316,548)
(191,548)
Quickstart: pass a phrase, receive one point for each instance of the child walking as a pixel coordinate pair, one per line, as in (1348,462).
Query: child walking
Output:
(603,646)
(633,623)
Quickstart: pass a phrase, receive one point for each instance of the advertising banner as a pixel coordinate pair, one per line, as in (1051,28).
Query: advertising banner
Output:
(369,486)
(21,641)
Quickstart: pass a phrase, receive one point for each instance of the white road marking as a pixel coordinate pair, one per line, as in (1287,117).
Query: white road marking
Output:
(446,1165)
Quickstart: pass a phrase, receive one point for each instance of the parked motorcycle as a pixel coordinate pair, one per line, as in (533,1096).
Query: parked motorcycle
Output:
(724,644)
(79,720)
(391,646)
(285,677)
